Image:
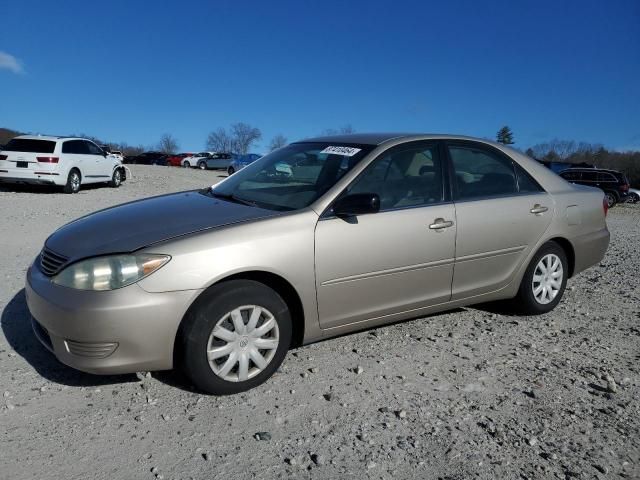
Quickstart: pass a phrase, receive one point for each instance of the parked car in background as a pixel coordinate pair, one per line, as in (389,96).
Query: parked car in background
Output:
(176,160)
(192,160)
(218,160)
(614,184)
(147,158)
(241,161)
(65,161)
(118,154)
(222,282)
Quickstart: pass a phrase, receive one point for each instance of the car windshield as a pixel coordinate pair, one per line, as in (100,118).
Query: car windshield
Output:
(292,177)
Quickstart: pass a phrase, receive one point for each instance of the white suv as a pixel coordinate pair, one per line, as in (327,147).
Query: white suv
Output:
(65,161)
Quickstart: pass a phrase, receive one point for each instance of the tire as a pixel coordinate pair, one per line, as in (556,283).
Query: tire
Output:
(186,164)
(231,171)
(214,309)
(634,197)
(527,302)
(202,165)
(116,178)
(73,181)
(611,199)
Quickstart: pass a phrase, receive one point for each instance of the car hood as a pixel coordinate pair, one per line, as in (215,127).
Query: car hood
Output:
(131,226)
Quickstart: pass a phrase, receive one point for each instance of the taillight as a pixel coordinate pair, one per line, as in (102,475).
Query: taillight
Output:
(3,157)
(47,159)
(605,205)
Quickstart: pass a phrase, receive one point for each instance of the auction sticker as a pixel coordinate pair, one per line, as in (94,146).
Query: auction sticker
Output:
(345,151)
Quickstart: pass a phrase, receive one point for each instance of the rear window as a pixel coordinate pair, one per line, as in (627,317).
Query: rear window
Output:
(29,145)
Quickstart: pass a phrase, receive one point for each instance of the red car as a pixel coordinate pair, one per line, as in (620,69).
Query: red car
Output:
(176,160)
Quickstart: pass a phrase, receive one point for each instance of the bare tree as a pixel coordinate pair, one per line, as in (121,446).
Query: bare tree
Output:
(167,144)
(278,141)
(220,141)
(244,136)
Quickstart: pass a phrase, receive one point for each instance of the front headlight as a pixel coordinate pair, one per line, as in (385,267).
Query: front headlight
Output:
(109,273)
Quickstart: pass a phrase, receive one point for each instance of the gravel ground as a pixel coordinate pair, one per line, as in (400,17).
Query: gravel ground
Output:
(466,394)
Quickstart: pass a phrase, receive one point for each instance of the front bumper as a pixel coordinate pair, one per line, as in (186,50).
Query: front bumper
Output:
(111,332)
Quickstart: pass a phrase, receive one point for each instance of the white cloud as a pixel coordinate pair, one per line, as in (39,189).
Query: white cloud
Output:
(10,63)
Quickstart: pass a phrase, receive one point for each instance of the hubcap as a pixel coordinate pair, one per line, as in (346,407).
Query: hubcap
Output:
(242,343)
(547,279)
(75,181)
(610,200)
(202,166)
(116,177)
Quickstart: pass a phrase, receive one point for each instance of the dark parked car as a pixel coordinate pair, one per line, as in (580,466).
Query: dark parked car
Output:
(148,158)
(614,184)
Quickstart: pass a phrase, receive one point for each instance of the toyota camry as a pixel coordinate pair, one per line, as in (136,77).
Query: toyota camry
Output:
(320,238)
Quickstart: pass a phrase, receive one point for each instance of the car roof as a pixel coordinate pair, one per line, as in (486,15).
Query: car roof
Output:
(380,138)
(52,138)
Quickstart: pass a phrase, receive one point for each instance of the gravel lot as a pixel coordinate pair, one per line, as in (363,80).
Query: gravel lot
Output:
(466,394)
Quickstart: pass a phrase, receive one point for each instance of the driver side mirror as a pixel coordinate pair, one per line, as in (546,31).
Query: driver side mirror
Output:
(357,204)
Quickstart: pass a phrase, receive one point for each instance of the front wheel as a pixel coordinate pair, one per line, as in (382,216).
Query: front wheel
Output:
(73,182)
(116,178)
(186,164)
(231,171)
(235,337)
(202,165)
(544,281)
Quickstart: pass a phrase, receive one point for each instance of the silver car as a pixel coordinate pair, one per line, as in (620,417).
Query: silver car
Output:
(320,238)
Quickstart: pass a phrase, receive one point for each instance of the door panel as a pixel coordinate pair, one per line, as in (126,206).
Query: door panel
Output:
(378,264)
(494,237)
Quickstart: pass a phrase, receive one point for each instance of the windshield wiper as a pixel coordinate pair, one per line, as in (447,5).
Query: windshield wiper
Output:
(231,197)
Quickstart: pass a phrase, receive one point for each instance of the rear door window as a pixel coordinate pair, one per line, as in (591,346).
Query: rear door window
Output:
(75,146)
(481,173)
(30,145)
(526,183)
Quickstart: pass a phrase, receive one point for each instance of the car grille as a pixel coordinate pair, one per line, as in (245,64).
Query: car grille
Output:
(50,262)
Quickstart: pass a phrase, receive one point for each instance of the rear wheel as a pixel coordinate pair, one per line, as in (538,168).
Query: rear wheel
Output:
(73,182)
(116,178)
(231,171)
(202,165)
(544,281)
(186,164)
(235,337)
(611,198)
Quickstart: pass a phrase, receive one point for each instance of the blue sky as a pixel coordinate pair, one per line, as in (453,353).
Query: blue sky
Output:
(133,70)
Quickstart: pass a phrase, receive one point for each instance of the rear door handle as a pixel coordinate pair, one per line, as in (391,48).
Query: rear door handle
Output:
(440,223)
(537,209)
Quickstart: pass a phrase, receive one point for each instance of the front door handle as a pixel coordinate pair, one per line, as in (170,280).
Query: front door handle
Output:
(537,209)
(440,223)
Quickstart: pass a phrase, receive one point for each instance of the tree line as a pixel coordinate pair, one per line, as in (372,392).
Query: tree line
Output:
(241,138)
(579,153)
